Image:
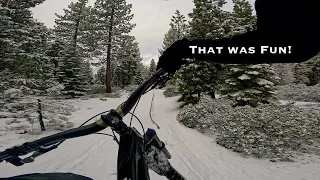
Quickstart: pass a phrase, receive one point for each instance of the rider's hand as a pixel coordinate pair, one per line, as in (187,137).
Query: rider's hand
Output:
(171,59)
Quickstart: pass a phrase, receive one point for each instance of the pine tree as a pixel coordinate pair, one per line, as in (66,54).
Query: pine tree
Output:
(250,85)
(138,77)
(253,84)
(100,77)
(202,77)
(112,20)
(206,19)
(23,42)
(8,44)
(32,61)
(87,72)
(128,57)
(242,11)
(16,32)
(72,25)
(55,53)
(196,78)
(144,71)
(178,30)
(74,72)
(70,74)
(152,67)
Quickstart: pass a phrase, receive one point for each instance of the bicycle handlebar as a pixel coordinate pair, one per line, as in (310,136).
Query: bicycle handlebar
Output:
(12,154)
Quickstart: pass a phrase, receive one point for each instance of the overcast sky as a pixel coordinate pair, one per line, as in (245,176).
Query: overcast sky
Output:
(152,18)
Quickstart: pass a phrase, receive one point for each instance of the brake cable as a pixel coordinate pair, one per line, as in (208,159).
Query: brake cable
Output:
(52,146)
(114,136)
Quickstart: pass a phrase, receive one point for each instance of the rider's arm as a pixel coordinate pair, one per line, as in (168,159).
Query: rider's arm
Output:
(279,23)
(301,50)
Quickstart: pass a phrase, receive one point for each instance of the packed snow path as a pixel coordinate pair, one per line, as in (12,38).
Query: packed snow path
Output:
(194,155)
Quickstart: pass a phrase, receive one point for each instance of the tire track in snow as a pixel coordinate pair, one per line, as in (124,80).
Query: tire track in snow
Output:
(185,153)
(86,154)
(192,156)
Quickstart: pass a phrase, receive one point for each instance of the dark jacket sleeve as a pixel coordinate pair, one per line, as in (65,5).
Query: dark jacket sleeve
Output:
(280,23)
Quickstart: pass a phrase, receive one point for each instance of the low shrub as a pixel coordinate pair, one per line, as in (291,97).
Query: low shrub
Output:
(206,114)
(277,132)
(299,92)
(170,91)
(97,89)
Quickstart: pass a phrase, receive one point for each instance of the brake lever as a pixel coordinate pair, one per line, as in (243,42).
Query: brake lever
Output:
(162,80)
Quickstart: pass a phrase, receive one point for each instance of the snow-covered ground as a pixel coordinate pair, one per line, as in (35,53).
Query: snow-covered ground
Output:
(194,155)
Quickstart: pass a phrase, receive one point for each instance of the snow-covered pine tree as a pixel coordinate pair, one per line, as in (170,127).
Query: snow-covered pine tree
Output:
(144,69)
(8,44)
(196,78)
(242,11)
(202,77)
(112,20)
(139,74)
(235,23)
(23,43)
(206,19)
(72,25)
(73,71)
(128,57)
(178,30)
(250,85)
(32,60)
(99,77)
(253,84)
(70,74)
(55,53)
(152,67)
(87,72)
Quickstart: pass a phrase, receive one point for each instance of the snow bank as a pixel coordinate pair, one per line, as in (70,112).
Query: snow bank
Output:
(277,132)
(18,86)
(270,131)
(299,92)
(12,93)
(206,114)
(21,115)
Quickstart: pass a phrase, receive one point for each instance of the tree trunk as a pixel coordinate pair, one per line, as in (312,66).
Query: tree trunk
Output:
(108,69)
(213,95)
(6,3)
(75,36)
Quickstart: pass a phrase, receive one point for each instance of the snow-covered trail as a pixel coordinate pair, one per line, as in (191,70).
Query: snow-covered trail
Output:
(194,155)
